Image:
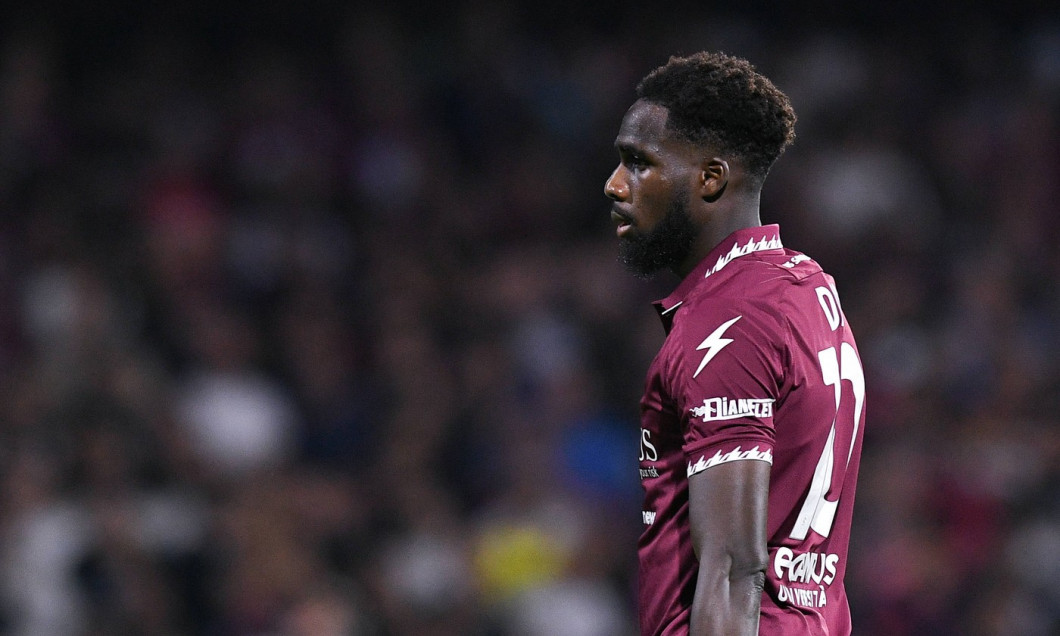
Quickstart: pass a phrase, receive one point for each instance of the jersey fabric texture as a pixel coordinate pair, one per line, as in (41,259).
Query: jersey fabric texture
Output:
(758,364)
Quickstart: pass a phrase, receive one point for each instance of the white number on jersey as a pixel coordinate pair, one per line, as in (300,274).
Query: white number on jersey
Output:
(818,511)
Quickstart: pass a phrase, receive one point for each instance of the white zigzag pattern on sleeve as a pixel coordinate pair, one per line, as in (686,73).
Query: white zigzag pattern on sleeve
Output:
(734,455)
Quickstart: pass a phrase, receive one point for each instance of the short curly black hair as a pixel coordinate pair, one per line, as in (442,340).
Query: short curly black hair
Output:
(722,101)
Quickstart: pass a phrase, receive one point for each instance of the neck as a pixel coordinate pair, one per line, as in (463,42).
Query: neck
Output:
(718,224)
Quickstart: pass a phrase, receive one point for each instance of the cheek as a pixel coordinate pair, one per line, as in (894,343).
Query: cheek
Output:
(654,198)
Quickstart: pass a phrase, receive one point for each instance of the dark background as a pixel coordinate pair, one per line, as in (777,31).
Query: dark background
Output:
(311,320)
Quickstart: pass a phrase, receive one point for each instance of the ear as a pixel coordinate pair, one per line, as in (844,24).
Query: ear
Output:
(713,178)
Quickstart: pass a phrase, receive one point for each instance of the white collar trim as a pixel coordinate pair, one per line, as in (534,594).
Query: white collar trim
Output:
(766,243)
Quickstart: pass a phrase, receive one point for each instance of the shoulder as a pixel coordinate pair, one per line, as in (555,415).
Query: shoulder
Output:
(729,331)
(739,322)
(786,266)
(756,298)
(757,285)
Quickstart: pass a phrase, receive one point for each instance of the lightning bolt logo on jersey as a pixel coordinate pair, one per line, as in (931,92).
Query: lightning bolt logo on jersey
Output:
(713,344)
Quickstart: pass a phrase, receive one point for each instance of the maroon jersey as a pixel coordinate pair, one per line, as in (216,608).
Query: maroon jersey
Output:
(759,364)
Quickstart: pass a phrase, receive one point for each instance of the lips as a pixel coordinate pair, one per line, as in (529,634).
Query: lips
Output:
(622,220)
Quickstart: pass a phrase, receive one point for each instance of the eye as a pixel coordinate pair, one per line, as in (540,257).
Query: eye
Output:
(632,158)
(635,161)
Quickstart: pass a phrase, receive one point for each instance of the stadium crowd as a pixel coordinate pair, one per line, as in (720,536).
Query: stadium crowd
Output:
(311,321)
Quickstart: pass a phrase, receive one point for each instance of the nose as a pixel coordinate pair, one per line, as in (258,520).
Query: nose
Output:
(616,187)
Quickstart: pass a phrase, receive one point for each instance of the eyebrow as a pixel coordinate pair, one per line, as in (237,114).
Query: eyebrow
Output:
(629,147)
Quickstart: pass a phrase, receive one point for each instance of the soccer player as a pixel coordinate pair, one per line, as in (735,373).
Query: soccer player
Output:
(754,408)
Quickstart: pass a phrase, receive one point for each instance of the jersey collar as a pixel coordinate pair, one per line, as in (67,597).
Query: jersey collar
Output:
(738,244)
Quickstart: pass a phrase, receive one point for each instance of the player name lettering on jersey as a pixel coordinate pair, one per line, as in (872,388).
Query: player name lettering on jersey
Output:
(723,408)
(805,567)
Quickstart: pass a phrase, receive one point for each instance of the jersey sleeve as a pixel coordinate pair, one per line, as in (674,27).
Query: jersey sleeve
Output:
(727,382)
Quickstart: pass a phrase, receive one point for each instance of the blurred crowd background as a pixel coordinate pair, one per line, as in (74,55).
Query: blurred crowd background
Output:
(311,321)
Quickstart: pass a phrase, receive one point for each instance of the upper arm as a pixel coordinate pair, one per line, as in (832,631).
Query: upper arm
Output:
(727,509)
(727,519)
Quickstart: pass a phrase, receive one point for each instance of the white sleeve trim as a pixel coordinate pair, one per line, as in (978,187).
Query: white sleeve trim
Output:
(734,455)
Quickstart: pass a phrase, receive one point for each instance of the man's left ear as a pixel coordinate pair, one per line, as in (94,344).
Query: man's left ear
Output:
(713,179)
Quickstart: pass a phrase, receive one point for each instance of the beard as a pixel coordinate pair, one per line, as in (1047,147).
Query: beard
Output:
(666,246)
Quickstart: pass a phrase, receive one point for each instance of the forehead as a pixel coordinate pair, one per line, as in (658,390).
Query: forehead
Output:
(644,128)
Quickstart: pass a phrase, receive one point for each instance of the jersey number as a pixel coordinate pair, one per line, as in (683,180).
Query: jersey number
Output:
(818,512)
